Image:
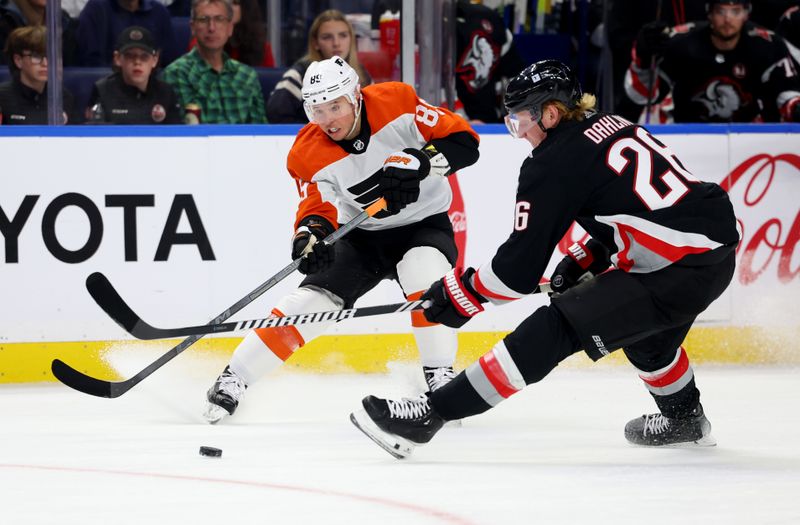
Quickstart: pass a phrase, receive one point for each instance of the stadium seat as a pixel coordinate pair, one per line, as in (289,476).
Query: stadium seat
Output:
(78,80)
(268,77)
(183,33)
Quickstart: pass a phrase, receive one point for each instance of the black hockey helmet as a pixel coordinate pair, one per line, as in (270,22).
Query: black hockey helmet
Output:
(712,3)
(539,83)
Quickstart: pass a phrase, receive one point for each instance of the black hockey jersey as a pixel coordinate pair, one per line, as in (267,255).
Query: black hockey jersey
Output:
(626,189)
(755,81)
(486,53)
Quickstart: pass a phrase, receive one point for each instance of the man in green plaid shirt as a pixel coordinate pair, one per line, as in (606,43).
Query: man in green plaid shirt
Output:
(227,91)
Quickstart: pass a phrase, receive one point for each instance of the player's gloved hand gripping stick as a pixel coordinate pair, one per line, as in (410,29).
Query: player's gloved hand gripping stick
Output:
(105,296)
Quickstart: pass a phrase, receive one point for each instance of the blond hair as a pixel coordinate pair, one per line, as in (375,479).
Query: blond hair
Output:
(585,104)
(334,15)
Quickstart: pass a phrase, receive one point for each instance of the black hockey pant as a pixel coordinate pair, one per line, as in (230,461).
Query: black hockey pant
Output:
(648,315)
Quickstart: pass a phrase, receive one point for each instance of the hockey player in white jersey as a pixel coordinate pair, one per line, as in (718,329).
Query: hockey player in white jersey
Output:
(360,145)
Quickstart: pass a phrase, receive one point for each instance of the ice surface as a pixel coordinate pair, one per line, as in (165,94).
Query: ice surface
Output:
(554,453)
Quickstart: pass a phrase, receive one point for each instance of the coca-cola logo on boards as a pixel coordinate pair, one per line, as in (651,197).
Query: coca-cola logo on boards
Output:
(459,220)
(768,219)
(772,232)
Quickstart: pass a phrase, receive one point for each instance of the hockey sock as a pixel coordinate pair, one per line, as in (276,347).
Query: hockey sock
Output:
(673,387)
(419,267)
(437,343)
(251,360)
(264,349)
(509,366)
(483,385)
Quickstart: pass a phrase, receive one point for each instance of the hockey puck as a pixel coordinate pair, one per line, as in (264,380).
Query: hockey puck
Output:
(211,452)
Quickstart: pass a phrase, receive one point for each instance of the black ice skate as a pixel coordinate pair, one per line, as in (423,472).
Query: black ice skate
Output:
(223,397)
(437,377)
(655,430)
(398,426)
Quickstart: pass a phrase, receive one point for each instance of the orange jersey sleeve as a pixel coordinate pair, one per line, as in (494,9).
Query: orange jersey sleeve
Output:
(311,152)
(394,98)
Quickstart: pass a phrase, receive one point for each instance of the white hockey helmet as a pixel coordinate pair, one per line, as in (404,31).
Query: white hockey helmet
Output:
(328,80)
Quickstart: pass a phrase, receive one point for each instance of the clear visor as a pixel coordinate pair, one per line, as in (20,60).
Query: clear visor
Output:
(329,111)
(520,123)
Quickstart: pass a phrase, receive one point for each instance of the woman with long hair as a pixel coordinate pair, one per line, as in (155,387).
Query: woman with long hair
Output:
(330,35)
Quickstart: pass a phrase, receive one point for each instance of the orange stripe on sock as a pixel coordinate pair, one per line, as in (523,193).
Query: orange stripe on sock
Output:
(417,317)
(283,340)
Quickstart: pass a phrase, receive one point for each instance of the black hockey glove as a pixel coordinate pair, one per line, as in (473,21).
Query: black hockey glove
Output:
(583,262)
(453,300)
(307,243)
(651,41)
(402,173)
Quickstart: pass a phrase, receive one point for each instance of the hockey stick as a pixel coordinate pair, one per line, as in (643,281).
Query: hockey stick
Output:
(124,316)
(112,389)
(653,72)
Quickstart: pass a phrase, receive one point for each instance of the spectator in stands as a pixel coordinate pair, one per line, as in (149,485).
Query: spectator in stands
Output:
(23,99)
(101,22)
(132,94)
(227,91)
(248,44)
(21,13)
(330,34)
(723,70)
(485,55)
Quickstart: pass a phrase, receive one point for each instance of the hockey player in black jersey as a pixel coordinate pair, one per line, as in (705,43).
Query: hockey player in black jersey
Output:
(724,70)
(661,249)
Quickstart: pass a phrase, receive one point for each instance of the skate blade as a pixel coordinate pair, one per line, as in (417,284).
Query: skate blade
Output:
(455,423)
(705,441)
(398,447)
(214,413)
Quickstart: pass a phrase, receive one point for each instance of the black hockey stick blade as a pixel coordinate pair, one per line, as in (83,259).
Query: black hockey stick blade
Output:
(80,381)
(107,298)
(110,389)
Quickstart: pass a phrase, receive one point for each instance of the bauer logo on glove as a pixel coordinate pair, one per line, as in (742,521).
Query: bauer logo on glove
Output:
(402,173)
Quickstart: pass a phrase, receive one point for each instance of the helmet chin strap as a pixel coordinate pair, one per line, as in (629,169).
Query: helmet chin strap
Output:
(356,119)
(541,125)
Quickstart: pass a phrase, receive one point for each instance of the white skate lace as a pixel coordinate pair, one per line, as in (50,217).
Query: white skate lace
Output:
(439,377)
(231,384)
(655,424)
(408,408)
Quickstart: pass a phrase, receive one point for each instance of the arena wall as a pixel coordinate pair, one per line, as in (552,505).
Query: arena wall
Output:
(186,220)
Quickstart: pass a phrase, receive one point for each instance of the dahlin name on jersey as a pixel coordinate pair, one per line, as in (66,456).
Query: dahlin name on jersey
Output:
(605,127)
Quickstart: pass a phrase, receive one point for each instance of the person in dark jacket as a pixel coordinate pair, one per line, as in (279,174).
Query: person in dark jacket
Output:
(330,35)
(21,13)
(132,94)
(101,22)
(23,99)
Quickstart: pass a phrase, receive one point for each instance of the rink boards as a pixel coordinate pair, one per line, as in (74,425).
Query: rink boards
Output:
(186,221)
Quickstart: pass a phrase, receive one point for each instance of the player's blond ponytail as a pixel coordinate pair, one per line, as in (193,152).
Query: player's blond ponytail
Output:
(587,103)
